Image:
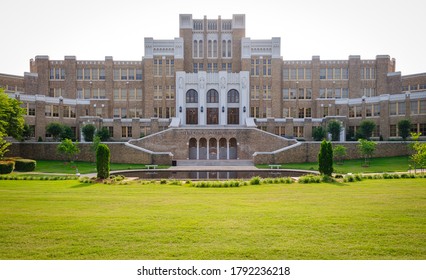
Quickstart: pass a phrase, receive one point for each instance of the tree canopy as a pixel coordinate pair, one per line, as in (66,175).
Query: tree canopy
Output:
(11,116)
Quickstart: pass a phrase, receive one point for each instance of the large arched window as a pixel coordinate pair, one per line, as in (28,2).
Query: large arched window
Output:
(233,96)
(195,49)
(191,96)
(212,96)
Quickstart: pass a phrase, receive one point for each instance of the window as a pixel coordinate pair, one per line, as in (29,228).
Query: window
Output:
(191,96)
(158,92)
(56,73)
(267,67)
(116,74)
(233,96)
(293,74)
(298,131)
(131,74)
(368,73)
(87,73)
(48,110)
(195,49)
(212,96)
(322,73)
(170,92)
(255,67)
(286,74)
(158,64)
(345,73)
(79,74)
(254,112)
(126,131)
(102,74)
(135,94)
(135,113)
(254,93)
(305,113)
(308,74)
(358,111)
(285,94)
(293,93)
(120,94)
(95,74)
(266,92)
(139,74)
(392,130)
(31,109)
(170,67)
(123,74)
(397,108)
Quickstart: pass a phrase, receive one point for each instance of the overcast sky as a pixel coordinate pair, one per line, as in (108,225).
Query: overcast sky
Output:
(93,29)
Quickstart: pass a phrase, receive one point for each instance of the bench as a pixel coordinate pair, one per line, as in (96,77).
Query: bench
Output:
(275,166)
(153,166)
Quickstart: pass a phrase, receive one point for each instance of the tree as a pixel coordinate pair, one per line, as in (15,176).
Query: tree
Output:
(404,128)
(419,156)
(4,145)
(325,158)
(27,132)
(88,132)
(66,133)
(334,127)
(68,148)
(95,144)
(55,129)
(318,133)
(102,161)
(367,127)
(366,149)
(339,153)
(103,134)
(11,116)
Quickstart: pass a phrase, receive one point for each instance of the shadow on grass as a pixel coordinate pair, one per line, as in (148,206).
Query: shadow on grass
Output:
(81,185)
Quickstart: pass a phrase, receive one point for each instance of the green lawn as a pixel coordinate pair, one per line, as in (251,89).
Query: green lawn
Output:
(371,219)
(57,166)
(377,165)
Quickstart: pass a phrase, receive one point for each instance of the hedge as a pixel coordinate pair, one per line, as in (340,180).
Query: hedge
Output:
(6,167)
(25,165)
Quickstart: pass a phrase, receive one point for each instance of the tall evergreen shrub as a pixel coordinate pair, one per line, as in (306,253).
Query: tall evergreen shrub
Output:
(325,158)
(102,161)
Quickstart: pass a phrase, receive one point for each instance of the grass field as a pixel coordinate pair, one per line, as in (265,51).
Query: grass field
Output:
(372,219)
(377,165)
(58,166)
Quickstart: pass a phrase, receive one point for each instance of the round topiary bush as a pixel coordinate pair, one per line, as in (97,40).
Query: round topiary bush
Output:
(25,165)
(6,167)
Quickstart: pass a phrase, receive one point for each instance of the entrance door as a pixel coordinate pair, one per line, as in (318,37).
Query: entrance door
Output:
(233,115)
(212,116)
(191,116)
(233,148)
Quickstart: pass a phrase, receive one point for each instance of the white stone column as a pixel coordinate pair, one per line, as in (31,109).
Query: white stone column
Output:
(202,108)
(208,148)
(244,96)
(223,98)
(217,149)
(198,149)
(227,149)
(180,96)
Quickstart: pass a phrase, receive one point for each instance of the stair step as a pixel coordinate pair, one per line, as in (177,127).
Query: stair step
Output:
(214,163)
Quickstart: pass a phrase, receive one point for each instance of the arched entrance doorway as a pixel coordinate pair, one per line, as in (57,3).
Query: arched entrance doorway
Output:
(232,148)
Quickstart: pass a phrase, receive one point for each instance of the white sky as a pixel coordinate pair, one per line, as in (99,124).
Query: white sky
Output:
(93,29)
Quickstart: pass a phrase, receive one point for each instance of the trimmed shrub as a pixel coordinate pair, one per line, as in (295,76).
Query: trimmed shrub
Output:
(255,180)
(307,179)
(6,167)
(102,161)
(25,165)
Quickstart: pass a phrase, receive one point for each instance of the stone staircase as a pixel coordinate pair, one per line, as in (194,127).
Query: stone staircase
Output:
(215,163)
